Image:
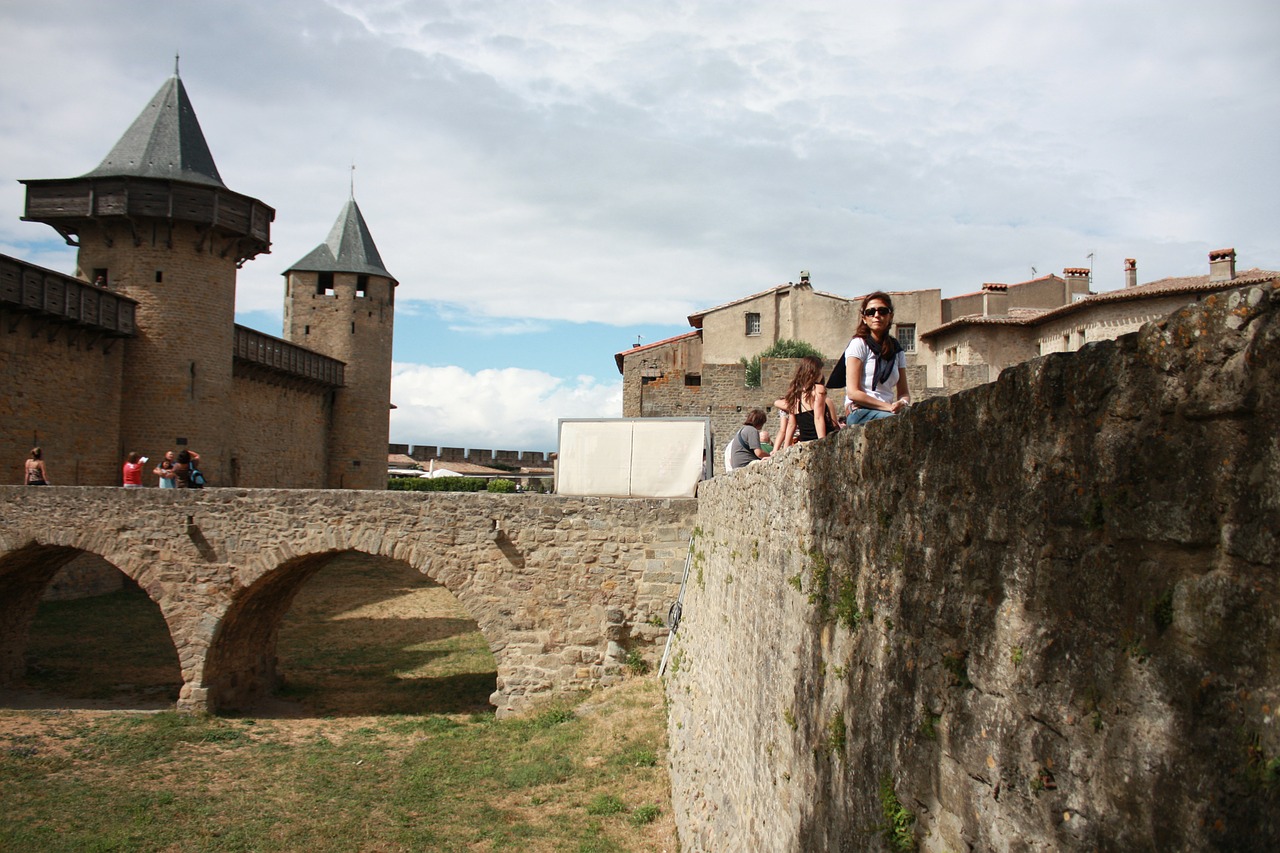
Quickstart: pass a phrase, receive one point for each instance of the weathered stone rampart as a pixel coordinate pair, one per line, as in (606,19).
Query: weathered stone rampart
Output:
(1043,614)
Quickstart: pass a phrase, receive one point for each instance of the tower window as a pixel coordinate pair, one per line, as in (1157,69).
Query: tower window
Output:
(100,276)
(353,327)
(324,284)
(362,286)
(159,276)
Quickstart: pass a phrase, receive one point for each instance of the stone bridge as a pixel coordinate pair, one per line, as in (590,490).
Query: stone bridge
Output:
(562,588)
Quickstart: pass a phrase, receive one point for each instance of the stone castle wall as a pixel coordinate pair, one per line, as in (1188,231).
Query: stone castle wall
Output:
(1041,614)
(283,452)
(57,383)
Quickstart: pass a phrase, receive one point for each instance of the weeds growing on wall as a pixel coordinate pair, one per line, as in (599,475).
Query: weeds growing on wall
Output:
(899,823)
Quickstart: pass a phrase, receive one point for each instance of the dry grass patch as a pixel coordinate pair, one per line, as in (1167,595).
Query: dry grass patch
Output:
(383,741)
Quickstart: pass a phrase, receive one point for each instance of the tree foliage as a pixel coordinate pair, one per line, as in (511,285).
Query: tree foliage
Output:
(785,348)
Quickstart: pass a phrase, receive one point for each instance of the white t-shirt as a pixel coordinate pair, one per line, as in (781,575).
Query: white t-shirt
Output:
(887,391)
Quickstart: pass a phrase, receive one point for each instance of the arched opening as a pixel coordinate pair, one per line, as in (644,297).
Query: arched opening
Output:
(350,634)
(81,633)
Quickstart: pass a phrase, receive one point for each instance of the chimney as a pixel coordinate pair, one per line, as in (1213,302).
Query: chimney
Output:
(1222,265)
(1077,283)
(1130,272)
(804,278)
(995,300)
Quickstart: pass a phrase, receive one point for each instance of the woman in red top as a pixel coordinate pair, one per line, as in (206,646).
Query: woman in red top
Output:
(133,471)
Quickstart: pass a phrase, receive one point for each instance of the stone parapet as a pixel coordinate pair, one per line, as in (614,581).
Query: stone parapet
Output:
(1040,614)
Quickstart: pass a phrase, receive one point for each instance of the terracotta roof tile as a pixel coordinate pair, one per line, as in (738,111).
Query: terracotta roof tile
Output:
(1163,287)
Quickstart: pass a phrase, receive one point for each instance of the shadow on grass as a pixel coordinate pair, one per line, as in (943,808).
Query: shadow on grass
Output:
(112,649)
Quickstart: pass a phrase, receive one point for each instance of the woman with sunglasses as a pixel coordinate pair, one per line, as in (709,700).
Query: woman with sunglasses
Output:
(875,365)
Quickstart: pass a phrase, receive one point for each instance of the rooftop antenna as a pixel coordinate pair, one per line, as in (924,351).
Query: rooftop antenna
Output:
(1033,272)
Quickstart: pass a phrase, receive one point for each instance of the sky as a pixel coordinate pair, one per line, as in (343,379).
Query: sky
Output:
(552,182)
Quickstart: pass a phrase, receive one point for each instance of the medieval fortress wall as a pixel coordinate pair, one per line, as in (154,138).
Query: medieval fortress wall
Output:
(1041,614)
(158,232)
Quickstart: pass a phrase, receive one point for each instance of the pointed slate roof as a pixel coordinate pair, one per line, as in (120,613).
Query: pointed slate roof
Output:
(350,248)
(165,142)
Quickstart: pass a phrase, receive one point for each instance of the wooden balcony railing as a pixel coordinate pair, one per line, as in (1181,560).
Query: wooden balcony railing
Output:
(35,290)
(287,359)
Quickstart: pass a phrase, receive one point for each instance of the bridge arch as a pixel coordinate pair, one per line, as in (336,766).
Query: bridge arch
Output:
(123,643)
(563,589)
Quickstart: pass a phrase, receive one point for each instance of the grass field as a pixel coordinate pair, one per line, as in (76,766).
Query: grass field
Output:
(383,739)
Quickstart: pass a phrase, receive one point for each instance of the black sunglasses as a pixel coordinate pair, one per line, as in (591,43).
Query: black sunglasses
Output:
(878,311)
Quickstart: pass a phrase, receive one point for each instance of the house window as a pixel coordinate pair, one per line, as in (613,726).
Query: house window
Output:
(753,324)
(693,380)
(953,355)
(907,337)
(1066,343)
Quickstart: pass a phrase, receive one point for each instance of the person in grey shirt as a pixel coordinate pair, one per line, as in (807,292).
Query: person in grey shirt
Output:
(746,444)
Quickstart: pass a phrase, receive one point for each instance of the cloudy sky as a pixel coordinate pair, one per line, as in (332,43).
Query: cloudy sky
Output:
(553,181)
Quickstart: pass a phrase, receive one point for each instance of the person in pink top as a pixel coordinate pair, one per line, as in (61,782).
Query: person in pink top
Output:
(133,471)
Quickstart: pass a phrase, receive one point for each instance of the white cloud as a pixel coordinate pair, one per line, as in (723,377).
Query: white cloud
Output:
(508,409)
(630,164)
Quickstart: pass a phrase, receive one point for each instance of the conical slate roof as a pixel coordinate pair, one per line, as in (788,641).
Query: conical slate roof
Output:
(165,142)
(350,248)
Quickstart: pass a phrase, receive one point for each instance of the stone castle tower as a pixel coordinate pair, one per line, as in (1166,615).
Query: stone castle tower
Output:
(340,301)
(155,223)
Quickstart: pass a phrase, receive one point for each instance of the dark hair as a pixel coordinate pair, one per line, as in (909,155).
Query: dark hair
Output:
(755,418)
(35,453)
(808,374)
(864,331)
(134,457)
(184,457)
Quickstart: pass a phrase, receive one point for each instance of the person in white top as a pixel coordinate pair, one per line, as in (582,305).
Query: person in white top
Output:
(875,365)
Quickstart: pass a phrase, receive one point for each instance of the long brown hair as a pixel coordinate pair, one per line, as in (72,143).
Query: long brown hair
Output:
(808,373)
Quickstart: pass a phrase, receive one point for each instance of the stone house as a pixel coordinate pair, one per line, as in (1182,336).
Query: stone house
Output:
(973,348)
(951,343)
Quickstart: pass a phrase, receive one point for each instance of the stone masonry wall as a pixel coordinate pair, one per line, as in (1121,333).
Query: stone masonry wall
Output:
(1043,614)
(563,589)
(56,383)
(285,453)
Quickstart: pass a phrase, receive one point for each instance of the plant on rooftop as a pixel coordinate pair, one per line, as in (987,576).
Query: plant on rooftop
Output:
(785,348)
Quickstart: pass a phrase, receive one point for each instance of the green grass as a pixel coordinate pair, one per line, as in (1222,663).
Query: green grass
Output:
(396,747)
